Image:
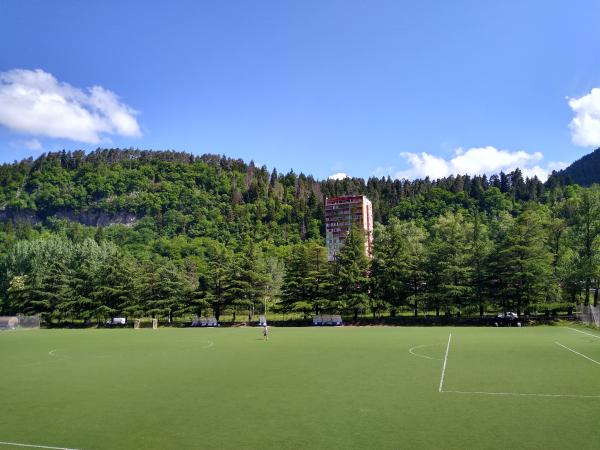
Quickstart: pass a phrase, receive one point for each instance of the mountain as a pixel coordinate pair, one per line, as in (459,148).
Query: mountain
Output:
(225,199)
(585,171)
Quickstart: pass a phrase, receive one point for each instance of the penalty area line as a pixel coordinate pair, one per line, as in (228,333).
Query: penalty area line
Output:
(16,444)
(518,394)
(577,353)
(445,362)
(589,334)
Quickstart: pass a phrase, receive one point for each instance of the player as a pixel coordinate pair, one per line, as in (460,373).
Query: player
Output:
(265,332)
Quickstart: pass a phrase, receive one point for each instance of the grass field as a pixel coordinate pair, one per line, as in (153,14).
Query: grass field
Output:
(372,387)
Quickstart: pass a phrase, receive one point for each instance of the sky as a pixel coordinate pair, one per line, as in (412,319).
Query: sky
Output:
(331,88)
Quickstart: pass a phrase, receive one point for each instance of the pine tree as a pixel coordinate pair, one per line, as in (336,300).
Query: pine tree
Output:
(168,291)
(479,248)
(294,292)
(449,269)
(351,273)
(524,261)
(586,228)
(399,264)
(318,277)
(51,289)
(216,282)
(115,291)
(248,279)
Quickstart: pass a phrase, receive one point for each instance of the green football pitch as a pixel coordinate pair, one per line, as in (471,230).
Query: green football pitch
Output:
(371,387)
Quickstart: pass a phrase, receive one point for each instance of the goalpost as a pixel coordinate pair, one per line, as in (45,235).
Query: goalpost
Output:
(589,315)
(136,324)
(19,322)
(154,324)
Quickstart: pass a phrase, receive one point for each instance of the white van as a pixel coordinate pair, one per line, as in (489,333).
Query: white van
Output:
(117,321)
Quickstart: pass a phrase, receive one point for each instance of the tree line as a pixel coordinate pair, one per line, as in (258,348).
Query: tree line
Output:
(219,236)
(462,262)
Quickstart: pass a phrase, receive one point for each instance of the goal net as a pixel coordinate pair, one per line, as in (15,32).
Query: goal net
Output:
(14,322)
(589,315)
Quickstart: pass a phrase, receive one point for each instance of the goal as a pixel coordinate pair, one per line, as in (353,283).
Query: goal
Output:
(19,321)
(154,324)
(137,323)
(589,315)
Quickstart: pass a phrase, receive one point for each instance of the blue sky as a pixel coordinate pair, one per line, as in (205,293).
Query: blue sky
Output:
(364,88)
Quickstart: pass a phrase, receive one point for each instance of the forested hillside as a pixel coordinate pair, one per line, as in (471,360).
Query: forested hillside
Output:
(166,234)
(585,171)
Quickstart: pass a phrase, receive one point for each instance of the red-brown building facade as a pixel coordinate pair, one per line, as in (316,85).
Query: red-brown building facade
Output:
(340,214)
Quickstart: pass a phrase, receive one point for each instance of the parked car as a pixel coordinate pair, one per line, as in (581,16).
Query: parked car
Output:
(509,315)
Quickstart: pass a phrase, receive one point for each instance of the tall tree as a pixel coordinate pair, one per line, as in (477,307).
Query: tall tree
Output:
(216,281)
(586,224)
(248,279)
(450,272)
(351,273)
(524,261)
(116,292)
(398,276)
(479,248)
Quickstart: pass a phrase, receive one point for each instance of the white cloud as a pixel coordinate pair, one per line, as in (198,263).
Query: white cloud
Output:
(338,176)
(29,144)
(474,161)
(382,171)
(557,165)
(32,144)
(585,126)
(423,165)
(35,102)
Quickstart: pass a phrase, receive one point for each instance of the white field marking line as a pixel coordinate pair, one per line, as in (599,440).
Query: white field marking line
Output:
(589,334)
(15,444)
(210,344)
(518,394)
(445,361)
(577,353)
(410,350)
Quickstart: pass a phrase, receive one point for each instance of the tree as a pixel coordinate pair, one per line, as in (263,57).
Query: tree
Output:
(351,273)
(449,271)
(248,279)
(294,289)
(523,261)
(216,281)
(479,248)
(586,227)
(306,280)
(18,294)
(115,292)
(167,290)
(50,291)
(398,276)
(318,277)
(274,273)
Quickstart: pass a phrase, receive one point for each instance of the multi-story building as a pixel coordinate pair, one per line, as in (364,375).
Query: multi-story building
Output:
(340,214)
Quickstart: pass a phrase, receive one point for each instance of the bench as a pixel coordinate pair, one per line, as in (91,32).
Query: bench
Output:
(205,322)
(328,319)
